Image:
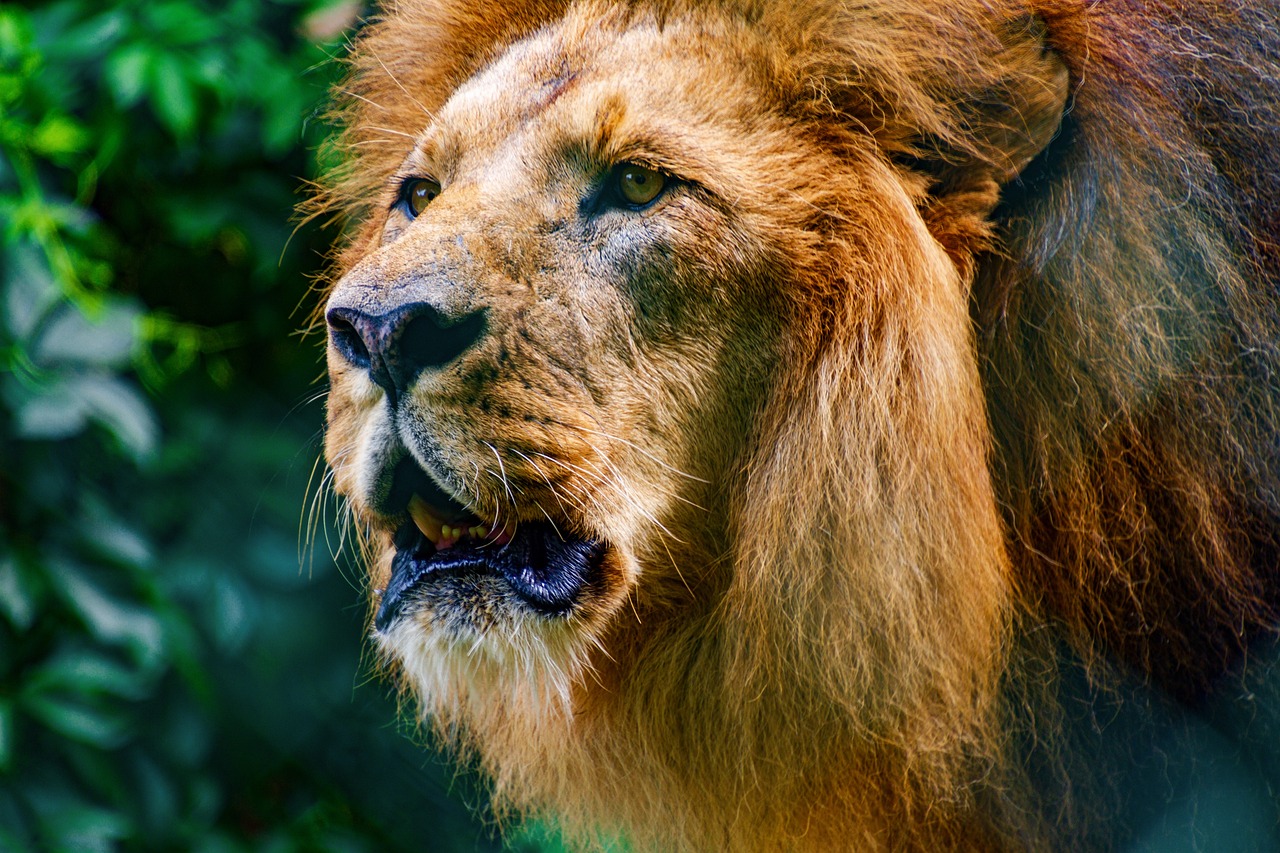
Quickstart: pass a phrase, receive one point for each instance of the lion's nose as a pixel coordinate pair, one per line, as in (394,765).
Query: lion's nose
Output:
(397,346)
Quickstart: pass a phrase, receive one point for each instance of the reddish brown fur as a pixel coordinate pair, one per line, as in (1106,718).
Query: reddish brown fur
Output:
(997,386)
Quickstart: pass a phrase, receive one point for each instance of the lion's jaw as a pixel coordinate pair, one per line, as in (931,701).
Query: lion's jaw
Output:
(565,416)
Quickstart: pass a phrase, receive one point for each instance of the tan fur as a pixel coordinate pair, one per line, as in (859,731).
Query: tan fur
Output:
(780,396)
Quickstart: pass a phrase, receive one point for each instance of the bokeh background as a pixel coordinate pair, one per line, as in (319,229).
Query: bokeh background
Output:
(182,660)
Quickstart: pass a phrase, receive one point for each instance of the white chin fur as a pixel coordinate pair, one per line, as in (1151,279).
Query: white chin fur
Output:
(530,662)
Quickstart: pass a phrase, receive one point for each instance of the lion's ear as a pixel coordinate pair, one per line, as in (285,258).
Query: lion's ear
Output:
(1011,122)
(1001,119)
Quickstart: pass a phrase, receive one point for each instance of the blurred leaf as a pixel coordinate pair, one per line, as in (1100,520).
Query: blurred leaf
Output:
(92,38)
(74,719)
(56,412)
(57,137)
(109,618)
(232,621)
(106,340)
(156,795)
(6,734)
(85,671)
(59,409)
(120,408)
(17,594)
(82,828)
(15,34)
(283,113)
(114,539)
(181,23)
(127,71)
(30,290)
(173,96)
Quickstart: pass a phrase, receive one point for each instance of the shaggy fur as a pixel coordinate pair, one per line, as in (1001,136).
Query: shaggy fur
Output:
(947,371)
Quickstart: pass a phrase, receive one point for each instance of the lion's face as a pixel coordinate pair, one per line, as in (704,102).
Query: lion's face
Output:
(545,368)
(654,384)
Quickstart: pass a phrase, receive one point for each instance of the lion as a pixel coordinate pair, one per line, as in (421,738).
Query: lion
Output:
(812,426)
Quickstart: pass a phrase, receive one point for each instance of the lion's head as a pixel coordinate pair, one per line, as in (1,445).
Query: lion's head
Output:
(656,388)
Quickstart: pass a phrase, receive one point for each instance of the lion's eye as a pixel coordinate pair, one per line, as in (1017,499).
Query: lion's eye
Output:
(417,193)
(638,185)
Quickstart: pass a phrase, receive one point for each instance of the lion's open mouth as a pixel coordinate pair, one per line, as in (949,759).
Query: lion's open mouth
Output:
(546,568)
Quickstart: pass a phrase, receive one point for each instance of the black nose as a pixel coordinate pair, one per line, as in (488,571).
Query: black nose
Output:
(397,346)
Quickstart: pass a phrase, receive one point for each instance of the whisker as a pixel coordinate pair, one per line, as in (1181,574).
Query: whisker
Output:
(616,478)
(503,468)
(636,448)
(304,519)
(545,479)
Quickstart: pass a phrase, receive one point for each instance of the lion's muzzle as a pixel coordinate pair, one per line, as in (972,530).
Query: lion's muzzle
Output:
(397,345)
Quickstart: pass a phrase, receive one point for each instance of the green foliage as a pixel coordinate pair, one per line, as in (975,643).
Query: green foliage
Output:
(170,678)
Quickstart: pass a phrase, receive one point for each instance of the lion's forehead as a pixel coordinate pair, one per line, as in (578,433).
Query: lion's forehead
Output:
(560,93)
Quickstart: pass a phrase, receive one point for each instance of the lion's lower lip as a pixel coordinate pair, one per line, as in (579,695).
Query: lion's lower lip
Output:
(547,572)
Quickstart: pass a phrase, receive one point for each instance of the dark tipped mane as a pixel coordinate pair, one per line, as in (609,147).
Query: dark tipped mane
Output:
(1132,343)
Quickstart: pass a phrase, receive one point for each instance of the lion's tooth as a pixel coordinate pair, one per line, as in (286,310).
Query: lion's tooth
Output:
(425,520)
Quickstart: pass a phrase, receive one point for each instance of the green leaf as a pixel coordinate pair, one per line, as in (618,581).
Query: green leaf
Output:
(100,727)
(58,137)
(114,539)
(105,340)
(18,596)
(83,828)
(109,619)
(182,23)
(6,734)
(85,672)
(173,96)
(30,290)
(15,34)
(127,71)
(56,413)
(88,40)
(232,621)
(282,120)
(123,410)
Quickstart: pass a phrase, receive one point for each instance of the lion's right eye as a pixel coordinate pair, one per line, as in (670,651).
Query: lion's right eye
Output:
(417,193)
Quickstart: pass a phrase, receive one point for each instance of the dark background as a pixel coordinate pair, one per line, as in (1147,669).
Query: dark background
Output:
(182,659)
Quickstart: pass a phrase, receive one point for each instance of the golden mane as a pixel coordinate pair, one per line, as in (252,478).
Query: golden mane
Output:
(1025,262)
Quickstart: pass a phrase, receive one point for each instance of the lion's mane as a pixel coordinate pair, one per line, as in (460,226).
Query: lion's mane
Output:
(1053,444)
